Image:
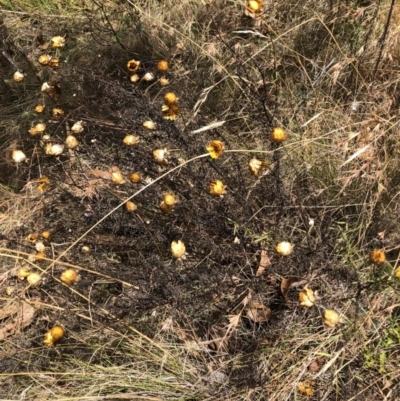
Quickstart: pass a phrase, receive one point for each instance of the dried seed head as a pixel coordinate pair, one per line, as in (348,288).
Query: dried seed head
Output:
(18,76)
(148,77)
(170,98)
(130,206)
(54,62)
(165,208)
(216,149)
(47,88)
(254,6)
(58,41)
(217,188)
(40,246)
(134,78)
(284,248)
(307,297)
(178,249)
(58,112)
(162,66)
(116,176)
(53,149)
(69,276)
(163,81)
(77,128)
(169,199)
(131,140)
(32,238)
(43,184)
(71,142)
(34,279)
(38,129)
(278,135)
(18,156)
(133,65)
(171,112)
(135,177)
(23,272)
(257,166)
(46,234)
(160,156)
(44,59)
(39,109)
(150,125)
(330,318)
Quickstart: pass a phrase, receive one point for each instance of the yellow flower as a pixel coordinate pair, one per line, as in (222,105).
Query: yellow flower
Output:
(58,41)
(377,257)
(254,6)
(170,98)
(170,112)
(69,276)
(217,188)
(397,272)
(133,65)
(39,109)
(278,135)
(54,335)
(257,166)
(162,66)
(216,149)
(43,184)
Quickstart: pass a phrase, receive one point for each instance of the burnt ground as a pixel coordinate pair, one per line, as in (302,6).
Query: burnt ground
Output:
(128,278)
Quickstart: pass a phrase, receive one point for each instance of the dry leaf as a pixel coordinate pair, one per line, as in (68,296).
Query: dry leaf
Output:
(258,312)
(106,175)
(316,364)
(167,325)
(24,317)
(285,286)
(265,261)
